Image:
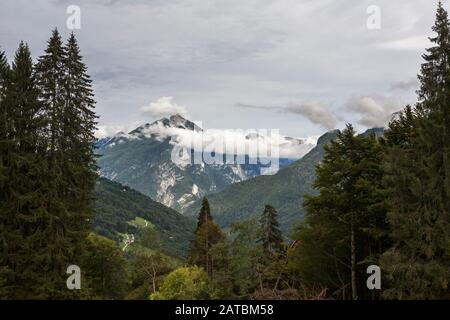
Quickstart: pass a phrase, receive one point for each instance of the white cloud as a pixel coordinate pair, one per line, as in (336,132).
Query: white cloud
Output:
(414,43)
(230,141)
(376,110)
(214,53)
(108,130)
(409,85)
(164,107)
(314,112)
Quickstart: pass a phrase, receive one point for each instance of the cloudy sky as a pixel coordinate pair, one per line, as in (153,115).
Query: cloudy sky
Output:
(301,66)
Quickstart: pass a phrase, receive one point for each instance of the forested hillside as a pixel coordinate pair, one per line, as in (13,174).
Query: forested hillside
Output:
(118,206)
(284,190)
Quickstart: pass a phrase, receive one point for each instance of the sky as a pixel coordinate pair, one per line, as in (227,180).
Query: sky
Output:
(300,66)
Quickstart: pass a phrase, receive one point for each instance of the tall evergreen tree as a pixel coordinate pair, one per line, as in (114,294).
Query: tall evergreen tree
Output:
(418,175)
(50,75)
(50,72)
(270,235)
(4,72)
(4,75)
(205,213)
(207,235)
(78,164)
(344,228)
(47,169)
(22,207)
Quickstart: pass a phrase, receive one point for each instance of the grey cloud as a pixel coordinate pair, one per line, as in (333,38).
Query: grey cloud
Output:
(251,106)
(311,110)
(210,54)
(405,85)
(374,111)
(164,107)
(314,112)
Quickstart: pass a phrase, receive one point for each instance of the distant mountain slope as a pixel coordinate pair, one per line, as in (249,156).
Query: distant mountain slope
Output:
(117,206)
(142,160)
(284,190)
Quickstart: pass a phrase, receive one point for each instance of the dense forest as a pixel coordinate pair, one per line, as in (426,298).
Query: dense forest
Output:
(378,200)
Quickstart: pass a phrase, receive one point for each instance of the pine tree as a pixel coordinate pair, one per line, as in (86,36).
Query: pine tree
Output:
(418,175)
(4,155)
(22,206)
(50,73)
(344,228)
(78,163)
(270,238)
(4,76)
(205,213)
(207,235)
(47,170)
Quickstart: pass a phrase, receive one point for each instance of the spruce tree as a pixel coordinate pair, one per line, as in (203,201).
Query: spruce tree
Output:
(418,176)
(22,206)
(4,75)
(50,76)
(206,236)
(47,170)
(205,213)
(344,229)
(78,163)
(270,235)
(4,154)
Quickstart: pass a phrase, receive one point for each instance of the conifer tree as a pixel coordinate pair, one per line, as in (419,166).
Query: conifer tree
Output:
(344,227)
(47,170)
(270,235)
(78,163)
(418,176)
(4,75)
(22,206)
(50,73)
(205,213)
(207,235)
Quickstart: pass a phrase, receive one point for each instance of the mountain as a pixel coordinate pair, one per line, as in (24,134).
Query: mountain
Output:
(284,190)
(120,211)
(143,160)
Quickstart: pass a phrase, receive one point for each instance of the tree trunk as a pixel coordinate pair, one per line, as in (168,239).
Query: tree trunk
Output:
(353,261)
(207,247)
(153,279)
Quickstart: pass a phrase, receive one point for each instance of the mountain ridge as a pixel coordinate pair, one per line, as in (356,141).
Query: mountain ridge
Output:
(285,190)
(142,159)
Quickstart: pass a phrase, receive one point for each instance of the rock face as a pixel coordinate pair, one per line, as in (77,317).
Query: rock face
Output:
(142,159)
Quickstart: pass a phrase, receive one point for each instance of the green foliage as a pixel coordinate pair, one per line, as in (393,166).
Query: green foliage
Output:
(418,181)
(22,197)
(270,235)
(205,213)
(344,229)
(104,268)
(184,284)
(116,205)
(206,236)
(47,170)
(284,190)
(148,272)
